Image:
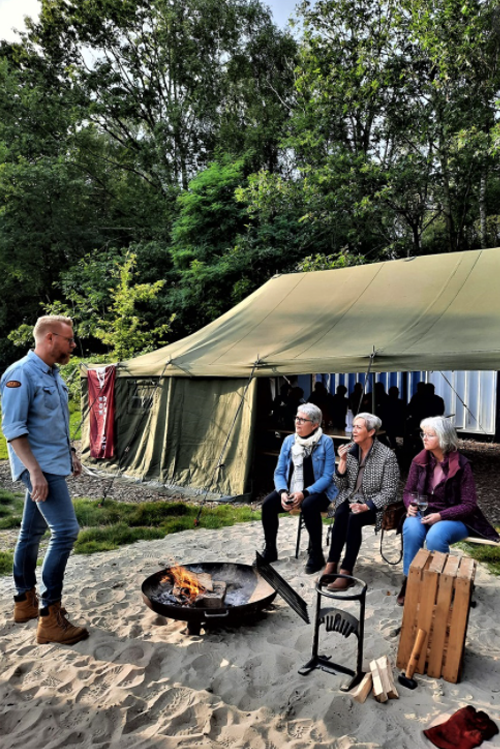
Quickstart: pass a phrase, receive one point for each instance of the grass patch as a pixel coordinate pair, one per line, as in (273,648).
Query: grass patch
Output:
(3,447)
(488,555)
(75,418)
(109,524)
(106,539)
(11,510)
(6,562)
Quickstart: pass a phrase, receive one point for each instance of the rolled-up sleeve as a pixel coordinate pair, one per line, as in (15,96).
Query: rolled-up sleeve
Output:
(15,404)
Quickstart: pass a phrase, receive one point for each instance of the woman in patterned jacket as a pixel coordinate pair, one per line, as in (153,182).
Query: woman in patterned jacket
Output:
(367,477)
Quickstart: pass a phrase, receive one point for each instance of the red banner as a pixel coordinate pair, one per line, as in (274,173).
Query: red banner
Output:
(101,384)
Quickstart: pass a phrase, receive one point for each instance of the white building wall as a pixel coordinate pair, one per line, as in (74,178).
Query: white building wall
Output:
(477,390)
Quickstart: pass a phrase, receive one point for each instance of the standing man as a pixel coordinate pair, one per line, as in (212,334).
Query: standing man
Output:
(35,423)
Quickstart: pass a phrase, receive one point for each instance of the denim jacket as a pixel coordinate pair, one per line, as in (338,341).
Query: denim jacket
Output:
(35,405)
(323,462)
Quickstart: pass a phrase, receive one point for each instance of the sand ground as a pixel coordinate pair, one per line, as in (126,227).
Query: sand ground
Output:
(139,681)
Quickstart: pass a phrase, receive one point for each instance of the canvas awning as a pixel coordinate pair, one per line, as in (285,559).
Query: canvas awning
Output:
(426,313)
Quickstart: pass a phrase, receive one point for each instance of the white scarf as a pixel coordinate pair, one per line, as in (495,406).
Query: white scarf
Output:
(301,449)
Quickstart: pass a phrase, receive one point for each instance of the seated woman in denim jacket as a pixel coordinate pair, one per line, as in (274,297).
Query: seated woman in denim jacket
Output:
(444,477)
(303,480)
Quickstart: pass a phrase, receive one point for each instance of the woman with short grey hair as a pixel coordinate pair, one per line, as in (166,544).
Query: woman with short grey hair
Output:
(440,497)
(444,430)
(303,480)
(367,478)
(313,411)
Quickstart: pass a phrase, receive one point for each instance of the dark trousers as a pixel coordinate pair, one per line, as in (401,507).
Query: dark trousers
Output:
(347,529)
(311,507)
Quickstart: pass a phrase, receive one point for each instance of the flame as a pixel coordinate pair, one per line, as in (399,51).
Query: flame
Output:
(186,581)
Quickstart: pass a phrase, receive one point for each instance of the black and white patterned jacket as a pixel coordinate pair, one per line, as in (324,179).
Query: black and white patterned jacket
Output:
(380,479)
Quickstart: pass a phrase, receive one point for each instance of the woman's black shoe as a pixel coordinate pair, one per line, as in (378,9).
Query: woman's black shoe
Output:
(314,564)
(270,555)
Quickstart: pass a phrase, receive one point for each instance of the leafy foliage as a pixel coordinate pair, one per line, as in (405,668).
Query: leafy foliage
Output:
(166,157)
(107,314)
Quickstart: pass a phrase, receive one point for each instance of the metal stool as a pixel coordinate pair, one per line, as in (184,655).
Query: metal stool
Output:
(303,525)
(299,531)
(336,620)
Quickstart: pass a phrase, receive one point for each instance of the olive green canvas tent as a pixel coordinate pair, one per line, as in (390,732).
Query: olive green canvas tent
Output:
(187,407)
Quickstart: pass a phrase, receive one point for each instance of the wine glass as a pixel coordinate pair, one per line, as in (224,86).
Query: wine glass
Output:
(422,504)
(414,499)
(357,498)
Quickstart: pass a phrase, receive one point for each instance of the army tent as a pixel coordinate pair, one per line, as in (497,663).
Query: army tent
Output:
(189,407)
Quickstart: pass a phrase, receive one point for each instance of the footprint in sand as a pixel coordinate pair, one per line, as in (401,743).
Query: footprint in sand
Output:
(109,595)
(134,721)
(104,653)
(134,654)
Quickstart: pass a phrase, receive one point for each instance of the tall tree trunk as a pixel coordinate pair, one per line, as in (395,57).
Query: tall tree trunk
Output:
(448,212)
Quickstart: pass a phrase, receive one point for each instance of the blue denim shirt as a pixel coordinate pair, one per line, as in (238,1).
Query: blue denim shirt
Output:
(35,405)
(323,462)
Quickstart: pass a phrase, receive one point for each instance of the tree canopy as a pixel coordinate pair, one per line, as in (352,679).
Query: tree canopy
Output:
(159,160)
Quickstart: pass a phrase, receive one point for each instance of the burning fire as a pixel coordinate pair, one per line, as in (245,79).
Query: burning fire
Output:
(185,584)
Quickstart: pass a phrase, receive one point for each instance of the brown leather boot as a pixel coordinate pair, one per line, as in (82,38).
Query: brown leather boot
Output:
(26,606)
(341,583)
(331,568)
(54,627)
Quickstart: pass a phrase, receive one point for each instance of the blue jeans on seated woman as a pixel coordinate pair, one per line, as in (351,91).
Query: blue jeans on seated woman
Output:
(437,537)
(58,515)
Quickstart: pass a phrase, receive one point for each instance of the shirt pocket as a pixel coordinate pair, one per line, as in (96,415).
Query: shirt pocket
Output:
(49,398)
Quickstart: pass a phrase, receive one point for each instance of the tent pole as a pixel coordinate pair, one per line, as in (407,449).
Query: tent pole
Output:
(367,377)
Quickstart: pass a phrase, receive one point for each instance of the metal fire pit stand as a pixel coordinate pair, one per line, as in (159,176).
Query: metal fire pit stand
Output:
(336,620)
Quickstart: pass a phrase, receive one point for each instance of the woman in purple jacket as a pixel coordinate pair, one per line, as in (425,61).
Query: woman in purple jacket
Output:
(444,477)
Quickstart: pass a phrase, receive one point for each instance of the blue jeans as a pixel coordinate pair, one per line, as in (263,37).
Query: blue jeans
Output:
(58,515)
(437,537)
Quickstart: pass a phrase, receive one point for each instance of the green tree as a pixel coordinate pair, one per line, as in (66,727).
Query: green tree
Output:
(107,304)
(386,92)
(123,330)
(169,79)
(204,244)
